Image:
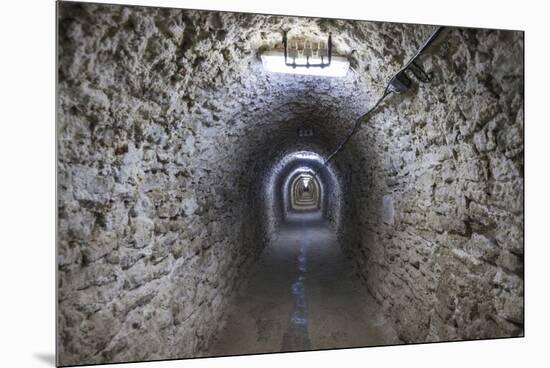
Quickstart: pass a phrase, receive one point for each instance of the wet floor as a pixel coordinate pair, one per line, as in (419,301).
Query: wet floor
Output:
(302,295)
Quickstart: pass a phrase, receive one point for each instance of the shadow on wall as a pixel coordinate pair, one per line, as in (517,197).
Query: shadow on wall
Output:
(47,358)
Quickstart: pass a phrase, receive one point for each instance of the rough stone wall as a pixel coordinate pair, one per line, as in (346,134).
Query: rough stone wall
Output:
(166,122)
(167,125)
(439,194)
(156,221)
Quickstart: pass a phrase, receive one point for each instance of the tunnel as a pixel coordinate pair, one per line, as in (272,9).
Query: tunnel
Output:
(199,213)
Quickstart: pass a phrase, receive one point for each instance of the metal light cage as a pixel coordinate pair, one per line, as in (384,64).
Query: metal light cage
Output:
(322,64)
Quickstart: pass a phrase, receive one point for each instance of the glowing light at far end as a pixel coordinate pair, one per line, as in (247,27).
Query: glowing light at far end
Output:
(274,61)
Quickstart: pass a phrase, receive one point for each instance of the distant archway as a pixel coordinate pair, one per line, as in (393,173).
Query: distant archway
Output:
(304,193)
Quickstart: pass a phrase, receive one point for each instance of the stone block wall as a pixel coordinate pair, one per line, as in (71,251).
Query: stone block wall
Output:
(156,220)
(168,126)
(439,194)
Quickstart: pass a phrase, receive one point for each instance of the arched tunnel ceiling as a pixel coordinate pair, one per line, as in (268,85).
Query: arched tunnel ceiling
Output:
(305,192)
(276,182)
(171,132)
(205,68)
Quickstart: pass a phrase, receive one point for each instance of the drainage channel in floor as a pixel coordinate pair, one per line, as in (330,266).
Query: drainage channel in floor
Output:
(296,336)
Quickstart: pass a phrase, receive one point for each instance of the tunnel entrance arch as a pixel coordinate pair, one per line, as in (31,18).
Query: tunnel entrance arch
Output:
(305,193)
(322,201)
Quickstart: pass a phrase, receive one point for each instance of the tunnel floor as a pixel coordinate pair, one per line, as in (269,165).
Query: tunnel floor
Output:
(302,294)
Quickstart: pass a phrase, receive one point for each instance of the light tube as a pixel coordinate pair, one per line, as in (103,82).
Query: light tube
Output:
(274,61)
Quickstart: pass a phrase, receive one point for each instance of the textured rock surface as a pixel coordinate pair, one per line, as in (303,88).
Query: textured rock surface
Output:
(440,194)
(168,127)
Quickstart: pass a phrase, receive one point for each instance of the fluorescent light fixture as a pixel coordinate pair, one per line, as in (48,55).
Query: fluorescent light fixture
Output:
(274,61)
